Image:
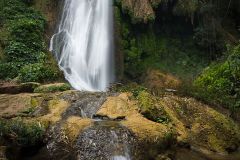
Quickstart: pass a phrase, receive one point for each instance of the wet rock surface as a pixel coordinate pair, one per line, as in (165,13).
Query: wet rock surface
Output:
(84,125)
(84,104)
(106,140)
(77,136)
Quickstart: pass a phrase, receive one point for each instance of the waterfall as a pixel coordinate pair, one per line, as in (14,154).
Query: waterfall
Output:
(83,44)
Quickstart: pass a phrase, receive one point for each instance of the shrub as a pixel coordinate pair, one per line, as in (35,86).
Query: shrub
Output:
(20,52)
(221,82)
(23,43)
(21,132)
(37,72)
(28,31)
(9,70)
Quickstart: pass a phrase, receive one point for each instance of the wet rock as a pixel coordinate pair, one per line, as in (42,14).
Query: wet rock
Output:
(163,157)
(56,108)
(73,134)
(86,104)
(105,140)
(148,133)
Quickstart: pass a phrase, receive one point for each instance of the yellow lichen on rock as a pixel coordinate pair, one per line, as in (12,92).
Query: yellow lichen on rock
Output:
(74,126)
(200,125)
(56,108)
(116,107)
(178,125)
(144,129)
(12,105)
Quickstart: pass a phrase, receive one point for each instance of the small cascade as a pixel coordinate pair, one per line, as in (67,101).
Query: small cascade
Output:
(105,139)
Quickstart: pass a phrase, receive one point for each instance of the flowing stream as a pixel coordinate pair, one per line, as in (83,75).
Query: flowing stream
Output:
(83,44)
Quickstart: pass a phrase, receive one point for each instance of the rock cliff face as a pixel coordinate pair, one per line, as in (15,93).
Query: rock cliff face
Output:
(141,10)
(50,9)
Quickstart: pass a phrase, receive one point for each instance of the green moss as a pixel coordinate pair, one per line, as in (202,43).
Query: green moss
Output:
(151,109)
(34,102)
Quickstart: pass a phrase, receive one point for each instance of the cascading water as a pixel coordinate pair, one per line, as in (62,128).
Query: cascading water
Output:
(83,44)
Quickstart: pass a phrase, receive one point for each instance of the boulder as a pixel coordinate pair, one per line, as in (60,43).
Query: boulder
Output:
(159,82)
(12,88)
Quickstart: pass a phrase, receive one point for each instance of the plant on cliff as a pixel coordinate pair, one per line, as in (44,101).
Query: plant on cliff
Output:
(221,81)
(23,43)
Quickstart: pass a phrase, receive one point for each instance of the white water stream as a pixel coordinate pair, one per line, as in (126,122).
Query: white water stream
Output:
(83,44)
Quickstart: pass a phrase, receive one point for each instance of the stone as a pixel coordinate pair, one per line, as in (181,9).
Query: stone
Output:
(8,88)
(159,82)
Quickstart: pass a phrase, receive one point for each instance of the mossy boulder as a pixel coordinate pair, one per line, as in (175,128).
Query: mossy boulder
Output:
(202,126)
(18,105)
(151,108)
(158,82)
(145,130)
(140,10)
(50,88)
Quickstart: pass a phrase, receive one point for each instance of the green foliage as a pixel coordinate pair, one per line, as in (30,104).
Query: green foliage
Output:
(186,7)
(127,43)
(23,44)
(133,88)
(28,2)
(37,72)
(21,132)
(19,52)
(221,81)
(16,9)
(28,31)
(169,54)
(9,70)
(207,38)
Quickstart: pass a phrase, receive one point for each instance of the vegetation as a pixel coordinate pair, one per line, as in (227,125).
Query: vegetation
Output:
(22,40)
(53,88)
(221,80)
(148,104)
(21,132)
(197,42)
(189,50)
